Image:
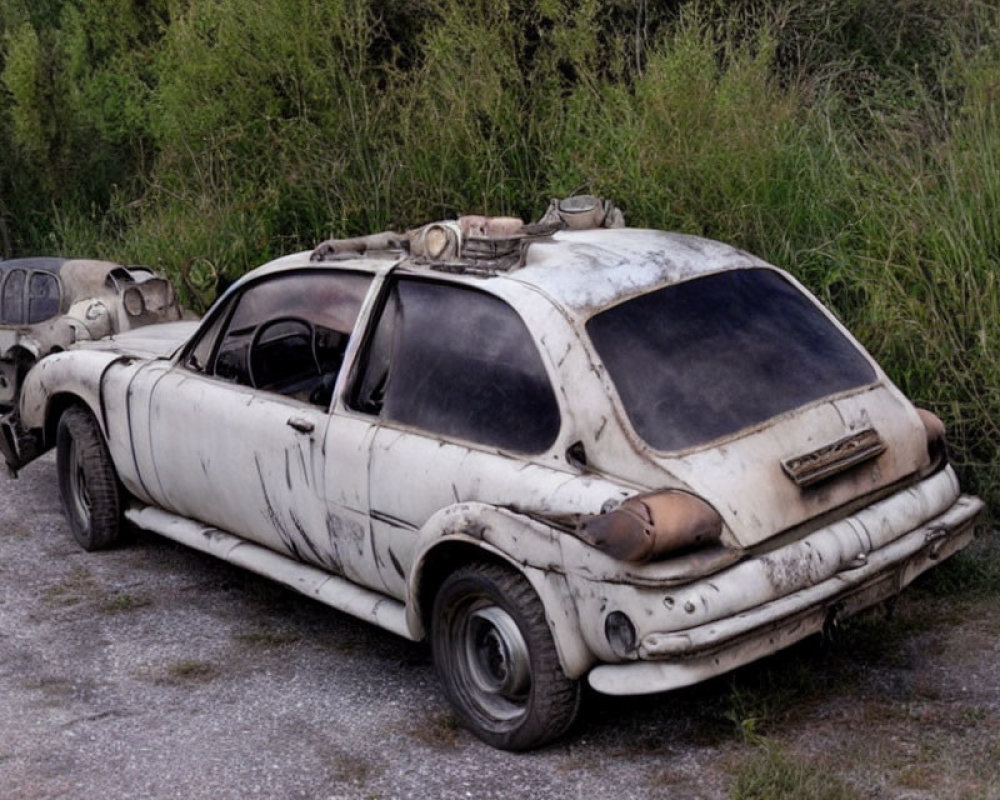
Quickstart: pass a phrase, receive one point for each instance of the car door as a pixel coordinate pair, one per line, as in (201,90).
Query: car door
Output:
(235,431)
(465,412)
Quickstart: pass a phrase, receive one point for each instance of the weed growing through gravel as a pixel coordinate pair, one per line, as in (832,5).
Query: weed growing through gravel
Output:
(351,768)
(124,602)
(770,773)
(439,731)
(192,671)
(75,588)
(265,639)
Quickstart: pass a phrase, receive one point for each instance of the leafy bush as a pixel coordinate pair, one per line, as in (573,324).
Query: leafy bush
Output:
(854,142)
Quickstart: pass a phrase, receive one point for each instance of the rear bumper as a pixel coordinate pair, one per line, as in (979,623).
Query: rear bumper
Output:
(669,660)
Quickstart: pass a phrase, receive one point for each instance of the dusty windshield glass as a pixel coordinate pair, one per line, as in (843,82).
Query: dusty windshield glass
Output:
(703,359)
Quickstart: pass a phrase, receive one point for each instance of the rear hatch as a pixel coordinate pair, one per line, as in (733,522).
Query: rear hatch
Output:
(760,482)
(748,391)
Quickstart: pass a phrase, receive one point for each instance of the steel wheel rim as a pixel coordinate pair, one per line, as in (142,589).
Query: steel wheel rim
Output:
(496,662)
(79,493)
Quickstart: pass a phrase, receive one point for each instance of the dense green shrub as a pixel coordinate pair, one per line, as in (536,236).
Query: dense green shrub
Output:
(854,142)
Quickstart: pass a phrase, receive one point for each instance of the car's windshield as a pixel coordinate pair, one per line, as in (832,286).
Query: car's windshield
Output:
(703,359)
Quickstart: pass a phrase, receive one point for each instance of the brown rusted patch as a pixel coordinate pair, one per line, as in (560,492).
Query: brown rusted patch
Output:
(647,527)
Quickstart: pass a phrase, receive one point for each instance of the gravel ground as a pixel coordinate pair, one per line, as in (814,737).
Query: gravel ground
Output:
(150,671)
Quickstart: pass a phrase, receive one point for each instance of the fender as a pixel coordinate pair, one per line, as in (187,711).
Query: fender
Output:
(56,375)
(527,545)
(14,363)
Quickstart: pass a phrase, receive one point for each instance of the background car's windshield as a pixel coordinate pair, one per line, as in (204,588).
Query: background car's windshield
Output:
(706,358)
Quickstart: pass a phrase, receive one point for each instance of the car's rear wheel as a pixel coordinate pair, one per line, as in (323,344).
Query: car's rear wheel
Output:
(496,659)
(91,494)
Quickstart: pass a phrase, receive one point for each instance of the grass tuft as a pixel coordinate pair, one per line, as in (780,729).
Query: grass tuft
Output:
(191,671)
(124,602)
(770,773)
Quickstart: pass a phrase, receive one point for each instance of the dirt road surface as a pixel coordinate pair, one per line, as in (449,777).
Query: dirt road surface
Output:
(150,671)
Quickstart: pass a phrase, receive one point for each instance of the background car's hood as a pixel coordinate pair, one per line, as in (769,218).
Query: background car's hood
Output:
(150,341)
(745,479)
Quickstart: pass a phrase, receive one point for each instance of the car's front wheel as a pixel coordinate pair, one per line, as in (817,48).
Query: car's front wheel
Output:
(89,486)
(496,659)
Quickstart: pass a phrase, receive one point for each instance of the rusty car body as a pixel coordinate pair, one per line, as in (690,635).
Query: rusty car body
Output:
(47,304)
(558,452)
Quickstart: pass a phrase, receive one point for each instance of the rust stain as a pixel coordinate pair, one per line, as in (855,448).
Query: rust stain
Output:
(812,468)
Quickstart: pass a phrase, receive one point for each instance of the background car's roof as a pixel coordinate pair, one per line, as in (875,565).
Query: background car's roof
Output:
(82,269)
(46,263)
(80,277)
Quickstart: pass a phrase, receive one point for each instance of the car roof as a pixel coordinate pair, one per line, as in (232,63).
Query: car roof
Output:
(44,263)
(592,269)
(582,271)
(372,262)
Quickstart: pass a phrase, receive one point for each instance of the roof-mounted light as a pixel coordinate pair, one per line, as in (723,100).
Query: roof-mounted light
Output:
(581,211)
(439,241)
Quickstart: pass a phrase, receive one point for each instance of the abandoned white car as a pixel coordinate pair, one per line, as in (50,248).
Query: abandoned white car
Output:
(46,304)
(557,452)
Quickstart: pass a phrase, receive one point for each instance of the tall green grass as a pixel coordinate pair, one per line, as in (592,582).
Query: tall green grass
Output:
(884,204)
(853,142)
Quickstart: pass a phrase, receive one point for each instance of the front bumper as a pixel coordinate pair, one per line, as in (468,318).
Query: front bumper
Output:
(669,659)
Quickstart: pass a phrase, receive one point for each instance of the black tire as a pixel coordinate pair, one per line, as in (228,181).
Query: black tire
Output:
(88,483)
(496,659)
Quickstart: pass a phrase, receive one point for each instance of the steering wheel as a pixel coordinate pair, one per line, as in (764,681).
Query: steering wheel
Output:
(256,343)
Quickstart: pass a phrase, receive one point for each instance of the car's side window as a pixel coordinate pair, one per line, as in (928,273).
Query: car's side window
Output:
(286,334)
(12,298)
(200,356)
(43,297)
(458,362)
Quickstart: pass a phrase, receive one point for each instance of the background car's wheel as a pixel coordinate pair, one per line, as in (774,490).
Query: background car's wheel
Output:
(88,483)
(496,659)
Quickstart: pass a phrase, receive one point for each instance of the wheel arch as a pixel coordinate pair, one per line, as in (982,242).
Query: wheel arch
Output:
(14,365)
(57,405)
(26,349)
(472,532)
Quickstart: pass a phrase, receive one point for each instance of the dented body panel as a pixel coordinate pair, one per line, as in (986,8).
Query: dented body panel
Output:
(331,479)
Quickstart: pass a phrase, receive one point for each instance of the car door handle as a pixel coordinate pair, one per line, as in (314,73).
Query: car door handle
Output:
(301,425)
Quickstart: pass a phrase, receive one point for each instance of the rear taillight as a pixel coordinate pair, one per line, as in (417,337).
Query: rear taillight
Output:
(650,526)
(937,442)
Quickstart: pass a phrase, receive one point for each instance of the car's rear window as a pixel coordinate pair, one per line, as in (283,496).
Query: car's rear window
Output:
(43,297)
(706,358)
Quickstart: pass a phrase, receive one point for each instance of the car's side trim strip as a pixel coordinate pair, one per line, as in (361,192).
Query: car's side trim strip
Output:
(331,590)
